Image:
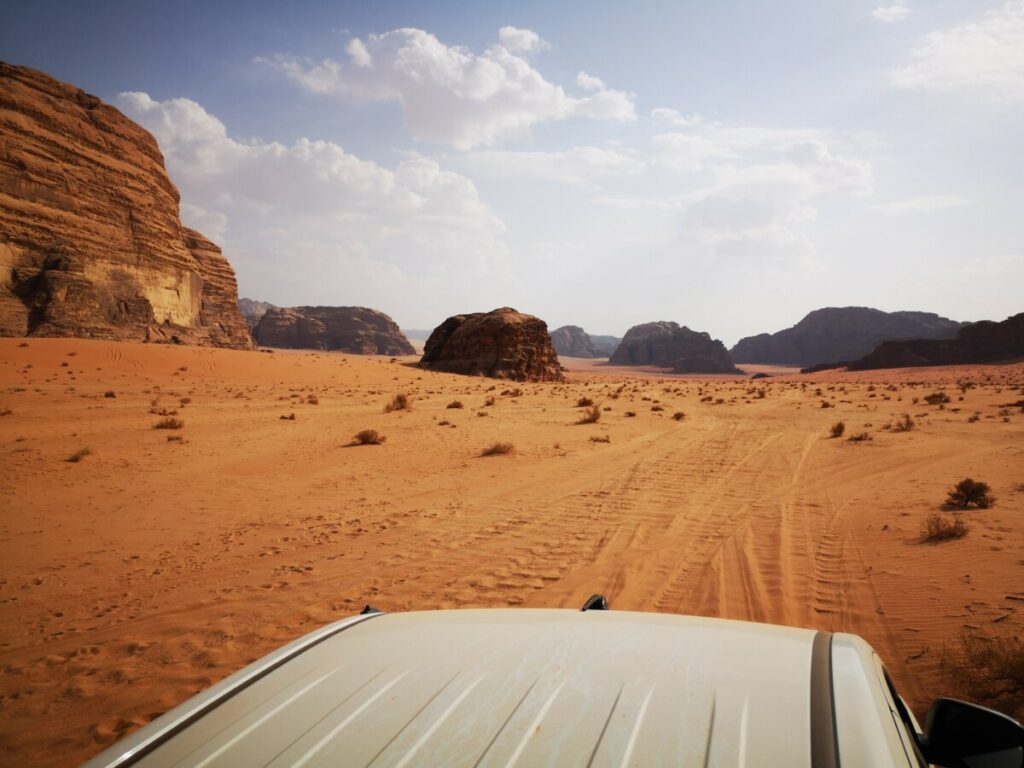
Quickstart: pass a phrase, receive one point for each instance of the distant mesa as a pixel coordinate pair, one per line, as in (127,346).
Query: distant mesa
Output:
(667,345)
(501,344)
(416,334)
(252,310)
(356,330)
(982,342)
(573,341)
(834,334)
(91,243)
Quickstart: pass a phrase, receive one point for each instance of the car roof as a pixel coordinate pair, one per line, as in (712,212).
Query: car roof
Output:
(510,687)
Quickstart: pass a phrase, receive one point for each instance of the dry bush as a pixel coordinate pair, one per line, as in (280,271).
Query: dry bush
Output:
(169,423)
(584,402)
(990,670)
(592,415)
(313,400)
(837,429)
(860,437)
(289,417)
(499,449)
(600,438)
(630,414)
(78,455)
(110,393)
(489,402)
(455,404)
(368,437)
(905,424)
(657,408)
(678,415)
(826,404)
(968,492)
(941,528)
(936,398)
(400,402)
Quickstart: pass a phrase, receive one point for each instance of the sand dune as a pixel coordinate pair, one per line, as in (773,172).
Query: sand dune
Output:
(151,568)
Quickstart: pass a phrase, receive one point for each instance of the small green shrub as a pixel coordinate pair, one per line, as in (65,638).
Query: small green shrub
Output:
(968,492)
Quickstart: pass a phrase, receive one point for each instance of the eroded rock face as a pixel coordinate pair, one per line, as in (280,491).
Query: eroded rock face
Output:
(833,334)
(252,310)
(90,239)
(983,342)
(669,345)
(502,344)
(356,330)
(573,341)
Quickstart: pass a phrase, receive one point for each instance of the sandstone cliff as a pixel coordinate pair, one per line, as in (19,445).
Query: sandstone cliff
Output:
(90,239)
(573,341)
(983,342)
(502,344)
(667,345)
(833,334)
(252,311)
(356,330)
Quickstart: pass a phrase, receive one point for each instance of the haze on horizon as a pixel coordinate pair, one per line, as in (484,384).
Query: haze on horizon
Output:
(729,166)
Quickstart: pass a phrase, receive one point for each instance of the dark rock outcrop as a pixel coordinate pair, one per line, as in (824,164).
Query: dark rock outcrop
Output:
(834,334)
(356,330)
(606,345)
(502,344)
(573,341)
(252,310)
(667,345)
(982,342)
(91,243)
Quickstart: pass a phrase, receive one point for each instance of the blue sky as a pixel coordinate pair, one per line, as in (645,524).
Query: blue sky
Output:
(728,165)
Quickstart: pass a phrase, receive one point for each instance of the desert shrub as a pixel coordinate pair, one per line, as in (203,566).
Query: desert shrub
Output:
(678,415)
(600,438)
(169,423)
(905,424)
(630,414)
(489,402)
(584,402)
(837,429)
(592,415)
(860,437)
(455,404)
(400,402)
(313,400)
(368,437)
(973,418)
(943,528)
(761,394)
(936,398)
(110,393)
(499,449)
(78,455)
(968,492)
(657,408)
(990,670)
(289,417)
(6,412)
(826,404)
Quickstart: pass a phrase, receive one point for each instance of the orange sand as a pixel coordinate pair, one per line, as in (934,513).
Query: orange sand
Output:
(150,569)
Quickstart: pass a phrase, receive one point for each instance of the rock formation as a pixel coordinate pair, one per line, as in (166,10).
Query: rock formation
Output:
(833,334)
(667,345)
(252,311)
(606,345)
(356,330)
(502,344)
(90,239)
(573,341)
(983,342)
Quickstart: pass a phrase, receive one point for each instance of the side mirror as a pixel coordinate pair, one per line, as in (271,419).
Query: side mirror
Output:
(962,735)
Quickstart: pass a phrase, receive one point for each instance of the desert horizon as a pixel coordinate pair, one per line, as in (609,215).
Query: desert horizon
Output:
(161,560)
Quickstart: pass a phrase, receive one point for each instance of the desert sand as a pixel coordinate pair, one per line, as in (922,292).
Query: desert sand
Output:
(165,559)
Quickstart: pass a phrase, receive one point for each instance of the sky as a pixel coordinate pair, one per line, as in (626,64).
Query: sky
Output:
(727,165)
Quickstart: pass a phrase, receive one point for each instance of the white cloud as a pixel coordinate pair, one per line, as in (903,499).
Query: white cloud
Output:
(520,40)
(572,166)
(589,82)
(922,204)
(673,118)
(985,55)
(891,13)
(322,225)
(450,95)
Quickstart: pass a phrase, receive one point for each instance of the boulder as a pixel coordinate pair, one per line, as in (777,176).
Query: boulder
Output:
(91,243)
(357,330)
(830,335)
(667,345)
(502,344)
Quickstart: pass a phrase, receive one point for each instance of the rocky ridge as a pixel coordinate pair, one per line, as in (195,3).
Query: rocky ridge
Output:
(356,330)
(669,345)
(501,344)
